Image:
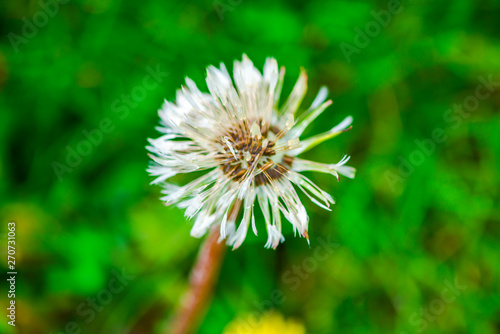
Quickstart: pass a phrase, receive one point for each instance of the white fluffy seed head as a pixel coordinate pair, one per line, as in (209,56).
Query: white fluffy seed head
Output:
(248,146)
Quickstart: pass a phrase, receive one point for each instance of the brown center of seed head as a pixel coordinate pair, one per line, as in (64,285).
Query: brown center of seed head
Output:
(245,149)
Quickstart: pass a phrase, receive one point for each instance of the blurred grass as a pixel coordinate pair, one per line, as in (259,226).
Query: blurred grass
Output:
(398,247)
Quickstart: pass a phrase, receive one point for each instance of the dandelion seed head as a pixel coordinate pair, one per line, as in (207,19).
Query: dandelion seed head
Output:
(248,145)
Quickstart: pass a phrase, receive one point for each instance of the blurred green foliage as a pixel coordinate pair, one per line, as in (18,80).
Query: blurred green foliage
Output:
(400,242)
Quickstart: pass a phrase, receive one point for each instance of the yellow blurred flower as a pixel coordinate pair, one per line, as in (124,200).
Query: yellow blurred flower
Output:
(269,323)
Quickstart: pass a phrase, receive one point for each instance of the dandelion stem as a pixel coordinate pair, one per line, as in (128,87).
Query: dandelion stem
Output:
(202,282)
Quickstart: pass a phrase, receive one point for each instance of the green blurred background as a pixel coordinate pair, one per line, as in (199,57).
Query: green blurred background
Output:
(401,238)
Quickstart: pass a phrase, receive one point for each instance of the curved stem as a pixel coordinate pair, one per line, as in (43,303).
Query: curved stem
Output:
(202,282)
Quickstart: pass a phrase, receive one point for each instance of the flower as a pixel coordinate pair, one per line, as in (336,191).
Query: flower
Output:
(248,146)
(268,323)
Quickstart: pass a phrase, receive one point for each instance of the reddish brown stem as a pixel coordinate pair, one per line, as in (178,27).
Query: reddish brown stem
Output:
(202,282)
